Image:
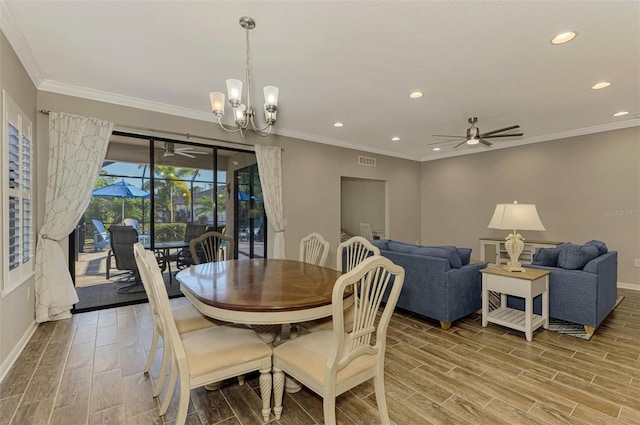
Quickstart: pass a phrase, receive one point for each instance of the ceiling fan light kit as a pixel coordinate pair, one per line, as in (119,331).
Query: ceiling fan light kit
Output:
(244,114)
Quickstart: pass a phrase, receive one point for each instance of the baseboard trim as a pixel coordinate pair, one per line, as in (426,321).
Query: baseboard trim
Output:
(629,286)
(17,350)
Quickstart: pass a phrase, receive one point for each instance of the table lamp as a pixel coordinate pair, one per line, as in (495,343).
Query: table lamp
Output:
(515,216)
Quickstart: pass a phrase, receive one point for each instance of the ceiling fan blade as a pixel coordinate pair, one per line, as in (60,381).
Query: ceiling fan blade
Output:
(445,135)
(190,150)
(485,142)
(185,154)
(445,141)
(513,127)
(464,142)
(504,135)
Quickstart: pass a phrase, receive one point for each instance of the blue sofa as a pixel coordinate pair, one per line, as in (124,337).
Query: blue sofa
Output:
(582,283)
(439,282)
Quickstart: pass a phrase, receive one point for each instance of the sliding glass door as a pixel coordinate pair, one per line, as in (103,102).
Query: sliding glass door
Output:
(177,188)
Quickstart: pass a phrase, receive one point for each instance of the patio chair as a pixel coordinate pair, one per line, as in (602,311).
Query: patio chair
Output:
(122,240)
(100,236)
(143,238)
(182,258)
(332,362)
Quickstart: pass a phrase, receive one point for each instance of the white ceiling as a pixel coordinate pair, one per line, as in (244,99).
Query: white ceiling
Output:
(349,61)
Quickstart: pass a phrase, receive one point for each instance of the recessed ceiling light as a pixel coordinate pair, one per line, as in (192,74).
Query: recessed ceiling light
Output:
(565,37)
(395,139)
(416,95)
(337,124)
(601,85)
(436,149)
(621,113)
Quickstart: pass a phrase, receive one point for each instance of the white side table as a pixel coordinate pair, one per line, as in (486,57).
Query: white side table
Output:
(528,285)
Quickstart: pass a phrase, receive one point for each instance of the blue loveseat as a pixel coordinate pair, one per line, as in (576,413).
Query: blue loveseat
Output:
(439,282)
(582,283)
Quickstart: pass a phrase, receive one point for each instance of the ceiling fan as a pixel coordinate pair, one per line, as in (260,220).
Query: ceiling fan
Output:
(474,136)
(188,151)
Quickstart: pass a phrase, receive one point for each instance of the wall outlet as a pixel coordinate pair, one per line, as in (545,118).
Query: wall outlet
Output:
(637,262)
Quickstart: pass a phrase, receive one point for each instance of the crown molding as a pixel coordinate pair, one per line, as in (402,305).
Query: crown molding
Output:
(19,44)
(108,97)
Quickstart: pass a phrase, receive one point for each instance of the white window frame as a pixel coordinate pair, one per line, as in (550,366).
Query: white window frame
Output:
(12,114)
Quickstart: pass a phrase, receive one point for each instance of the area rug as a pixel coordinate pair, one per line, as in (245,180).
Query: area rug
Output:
(556,325)
(573,329)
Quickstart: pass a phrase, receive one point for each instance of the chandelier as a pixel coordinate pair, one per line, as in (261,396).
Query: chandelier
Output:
(244,114)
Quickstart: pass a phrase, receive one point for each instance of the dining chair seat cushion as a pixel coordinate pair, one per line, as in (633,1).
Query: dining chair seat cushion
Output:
(310,353)
(221,347)
(189,319)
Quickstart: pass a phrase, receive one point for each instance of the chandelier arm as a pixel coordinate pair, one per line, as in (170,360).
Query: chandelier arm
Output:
(226,129)
(255,127)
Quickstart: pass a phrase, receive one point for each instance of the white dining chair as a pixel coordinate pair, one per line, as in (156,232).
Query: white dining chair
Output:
(187,318)
(210,247)
(350,253)
(314,249)
(365,231)
(332,362)
(208,355)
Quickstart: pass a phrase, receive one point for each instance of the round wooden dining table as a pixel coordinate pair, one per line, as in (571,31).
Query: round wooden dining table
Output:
(260,291)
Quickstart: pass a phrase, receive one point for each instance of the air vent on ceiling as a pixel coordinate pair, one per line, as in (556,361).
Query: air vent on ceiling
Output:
(366,160)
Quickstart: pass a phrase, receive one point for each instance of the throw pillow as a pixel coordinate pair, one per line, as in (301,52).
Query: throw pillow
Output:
(465,255)
(546,257)
(382,244)
(602,247)
(448,252)
(575,257)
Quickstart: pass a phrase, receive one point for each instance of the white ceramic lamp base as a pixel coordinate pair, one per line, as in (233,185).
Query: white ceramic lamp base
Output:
(514,245)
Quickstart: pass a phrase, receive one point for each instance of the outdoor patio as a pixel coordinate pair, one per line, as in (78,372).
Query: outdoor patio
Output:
(95,290)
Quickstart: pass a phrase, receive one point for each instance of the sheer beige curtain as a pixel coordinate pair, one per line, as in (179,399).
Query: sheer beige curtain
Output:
(77,147)
(270,169)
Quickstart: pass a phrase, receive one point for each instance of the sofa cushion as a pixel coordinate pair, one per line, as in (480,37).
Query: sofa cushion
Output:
(465,255)
(575,257)
(546,257)
(405,248)
(448,252)
(602,247)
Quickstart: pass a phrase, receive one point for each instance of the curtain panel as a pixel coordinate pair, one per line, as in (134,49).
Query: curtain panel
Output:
(270,169)
(77,148)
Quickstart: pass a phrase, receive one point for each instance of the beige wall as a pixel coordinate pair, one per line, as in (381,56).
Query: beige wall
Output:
(17,313)
(311,172)
(585,187)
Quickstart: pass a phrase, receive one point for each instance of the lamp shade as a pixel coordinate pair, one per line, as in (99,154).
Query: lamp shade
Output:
(234,92)
(516,216)
(217,102)
(271,96)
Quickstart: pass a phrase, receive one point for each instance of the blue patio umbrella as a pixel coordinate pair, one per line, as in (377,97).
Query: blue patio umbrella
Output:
(242,196)
(122,190)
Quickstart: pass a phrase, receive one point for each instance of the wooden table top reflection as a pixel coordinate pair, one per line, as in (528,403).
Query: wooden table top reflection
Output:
(260,291)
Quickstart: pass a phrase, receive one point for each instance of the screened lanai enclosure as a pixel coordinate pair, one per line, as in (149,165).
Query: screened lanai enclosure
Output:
(176,191)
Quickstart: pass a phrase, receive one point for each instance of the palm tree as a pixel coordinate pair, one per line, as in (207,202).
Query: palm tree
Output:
(169,184)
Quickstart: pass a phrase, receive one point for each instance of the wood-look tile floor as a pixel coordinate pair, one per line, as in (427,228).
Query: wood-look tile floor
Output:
(87,370)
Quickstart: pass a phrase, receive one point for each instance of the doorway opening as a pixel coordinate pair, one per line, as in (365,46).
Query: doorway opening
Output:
(363,201)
